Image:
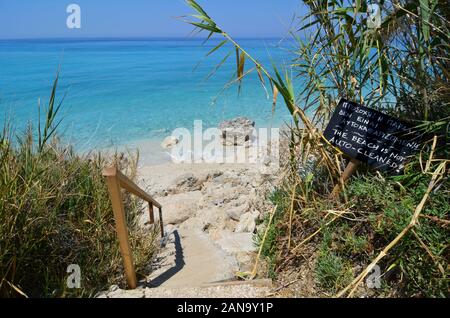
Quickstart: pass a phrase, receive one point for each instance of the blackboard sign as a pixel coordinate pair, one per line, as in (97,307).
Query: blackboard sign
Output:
(381,141)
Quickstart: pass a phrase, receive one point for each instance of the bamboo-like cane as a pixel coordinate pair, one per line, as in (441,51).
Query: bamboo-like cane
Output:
(291,214)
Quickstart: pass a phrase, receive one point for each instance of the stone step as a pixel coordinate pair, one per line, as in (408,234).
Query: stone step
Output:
(236,289)
(189,258)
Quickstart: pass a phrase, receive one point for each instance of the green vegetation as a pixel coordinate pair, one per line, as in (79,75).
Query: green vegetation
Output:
(331,271)
(269,248)
(55,211)
(399,223)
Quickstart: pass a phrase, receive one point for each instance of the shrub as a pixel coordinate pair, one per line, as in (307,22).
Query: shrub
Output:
(399,67)
(55,211)
(331,271)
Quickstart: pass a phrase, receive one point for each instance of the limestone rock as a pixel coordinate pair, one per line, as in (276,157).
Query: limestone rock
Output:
(214,174)
(185,183)
(221,194)
(236,242)
(206,218)
(177,208)
(236,212)
(237,131)
(169,142)
(246,261)
(113,288)
(247,222)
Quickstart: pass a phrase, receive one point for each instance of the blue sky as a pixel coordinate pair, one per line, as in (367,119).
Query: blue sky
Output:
(142,18)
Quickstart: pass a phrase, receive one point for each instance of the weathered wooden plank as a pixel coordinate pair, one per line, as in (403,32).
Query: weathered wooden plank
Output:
(121,229)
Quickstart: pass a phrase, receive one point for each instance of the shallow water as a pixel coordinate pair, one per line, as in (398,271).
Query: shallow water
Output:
(122,92)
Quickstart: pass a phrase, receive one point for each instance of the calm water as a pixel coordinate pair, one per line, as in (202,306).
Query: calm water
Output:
(123,91)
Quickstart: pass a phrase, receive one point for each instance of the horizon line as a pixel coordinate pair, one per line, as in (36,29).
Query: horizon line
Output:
(187,38)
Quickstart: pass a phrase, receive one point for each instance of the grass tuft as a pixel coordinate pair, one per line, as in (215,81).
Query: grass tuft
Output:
(55,211)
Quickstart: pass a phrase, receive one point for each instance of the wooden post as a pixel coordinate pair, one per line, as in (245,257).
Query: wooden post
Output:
(150,211)
(121,227)
(161,222)
(348,172)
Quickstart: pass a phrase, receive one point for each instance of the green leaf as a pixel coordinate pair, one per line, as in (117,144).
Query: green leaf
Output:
(218,66)
(217,47)
(425,12)
(193,4)
(206,27)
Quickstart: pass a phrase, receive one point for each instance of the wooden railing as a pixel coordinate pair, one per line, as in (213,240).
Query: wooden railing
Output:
(115,181)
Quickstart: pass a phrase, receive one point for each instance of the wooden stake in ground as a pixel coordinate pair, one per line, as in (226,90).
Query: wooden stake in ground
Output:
(348,172)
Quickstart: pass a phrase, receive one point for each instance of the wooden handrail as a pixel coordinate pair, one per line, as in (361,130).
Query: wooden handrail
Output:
(129,185)
(115,181)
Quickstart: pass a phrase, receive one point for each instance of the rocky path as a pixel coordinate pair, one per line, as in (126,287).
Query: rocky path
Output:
(211,213)
(189,258)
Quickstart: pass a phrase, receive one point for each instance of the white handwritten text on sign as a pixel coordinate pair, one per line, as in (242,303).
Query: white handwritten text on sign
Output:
(370,136)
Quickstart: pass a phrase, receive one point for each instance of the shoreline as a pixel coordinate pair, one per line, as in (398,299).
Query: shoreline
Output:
(152,153)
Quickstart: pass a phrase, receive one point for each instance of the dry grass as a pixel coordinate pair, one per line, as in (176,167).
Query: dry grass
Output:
(339,56)
(55,211)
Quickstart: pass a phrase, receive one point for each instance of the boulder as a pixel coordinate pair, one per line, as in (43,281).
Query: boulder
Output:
(247,222)
(237,131)
(169,142)
(213,175)
(236,212)
(209,220)
(221,194)
(185,183)
(177,208)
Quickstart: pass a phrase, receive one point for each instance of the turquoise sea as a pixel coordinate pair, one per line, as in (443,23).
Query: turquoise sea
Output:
(121,91)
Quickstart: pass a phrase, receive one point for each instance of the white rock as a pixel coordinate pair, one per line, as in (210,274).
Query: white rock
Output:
(169,228)
(247,222)
(185,183)
(267,161)
(169,142)
(212,214)
(237,131)
(177,208)
(213,175)
(221,194)
(236,242)
(236,212)
(246,261)
(265,171)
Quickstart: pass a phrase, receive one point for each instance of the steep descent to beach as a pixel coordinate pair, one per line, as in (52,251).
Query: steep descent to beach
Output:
(210,215)
(211,212)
